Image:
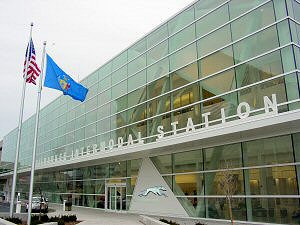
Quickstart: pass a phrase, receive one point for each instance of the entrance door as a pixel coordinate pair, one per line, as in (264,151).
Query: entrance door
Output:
(116,197)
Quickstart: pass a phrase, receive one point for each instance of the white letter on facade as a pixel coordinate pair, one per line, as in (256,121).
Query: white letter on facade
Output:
(120,142)
(247,110)
(205,116)
(130,140)
(88,148)
(271,104)
(174,128)
(160,131)
(102,146)
(189,125)
(65,156)
(141,141)
(223,116)
(95,148)
(111,144)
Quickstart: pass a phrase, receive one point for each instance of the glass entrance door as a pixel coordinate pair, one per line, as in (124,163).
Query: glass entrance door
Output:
(116,197)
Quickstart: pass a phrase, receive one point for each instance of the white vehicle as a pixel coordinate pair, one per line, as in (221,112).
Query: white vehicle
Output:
(38,203)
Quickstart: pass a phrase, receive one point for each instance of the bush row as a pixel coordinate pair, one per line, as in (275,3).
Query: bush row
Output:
(35,219)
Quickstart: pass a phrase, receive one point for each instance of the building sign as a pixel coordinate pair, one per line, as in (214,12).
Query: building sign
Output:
(157,190)
(242,112)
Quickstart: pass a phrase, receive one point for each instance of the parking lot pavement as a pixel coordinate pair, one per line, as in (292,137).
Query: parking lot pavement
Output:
(90,216)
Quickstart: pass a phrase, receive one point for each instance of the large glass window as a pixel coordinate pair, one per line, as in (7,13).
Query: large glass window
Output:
(182,38)
(249,48)
(137,96)
(214,41)
(251,22)
(158,35)
(181,20)
(119,75)
(136,81)
(205,6)
(275,210)
(216,62)
(119,104)
(259,69)
(225,156)
(273,181)
(157,52)
(214,106)
(182,97)
(101,171)
(158,70)
(293,9)
(238,7)
(119,89)
(188,184)
(163,163)
(137,64)
(117,169)
(214,182)
(133,167)
(218,208)
(212,20)
(158,87)
(268,151)
(183,57)
(184,76)
(119,60)
(188,161)
(138,48)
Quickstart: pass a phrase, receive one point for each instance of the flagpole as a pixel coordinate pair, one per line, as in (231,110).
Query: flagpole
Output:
(37,115)
(19,131)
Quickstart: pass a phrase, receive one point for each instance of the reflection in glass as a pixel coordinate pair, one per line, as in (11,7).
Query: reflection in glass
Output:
(273,181)
(268,151)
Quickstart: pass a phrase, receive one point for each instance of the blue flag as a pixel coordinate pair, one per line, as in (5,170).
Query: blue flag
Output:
(56,78)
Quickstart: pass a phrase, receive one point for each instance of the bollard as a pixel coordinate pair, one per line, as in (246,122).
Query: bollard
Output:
(18,207)
(64,205)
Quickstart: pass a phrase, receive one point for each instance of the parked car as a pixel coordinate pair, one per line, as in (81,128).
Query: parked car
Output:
(38,203)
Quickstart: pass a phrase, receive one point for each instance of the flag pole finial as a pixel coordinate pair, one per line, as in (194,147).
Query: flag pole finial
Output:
(45,42)
(31,24)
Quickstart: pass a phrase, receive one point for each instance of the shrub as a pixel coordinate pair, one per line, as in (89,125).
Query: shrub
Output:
(65,218)
(72,218)
(44,218)
(15,220)
(54,219)
(169,222)
(35,220)
(60,222)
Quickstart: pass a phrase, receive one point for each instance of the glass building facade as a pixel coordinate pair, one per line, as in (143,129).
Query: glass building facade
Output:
(213,55)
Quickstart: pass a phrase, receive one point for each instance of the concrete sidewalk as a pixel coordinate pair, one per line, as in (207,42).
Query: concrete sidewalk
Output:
(90,216)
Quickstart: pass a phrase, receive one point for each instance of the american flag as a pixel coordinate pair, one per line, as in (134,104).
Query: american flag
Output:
(33,70)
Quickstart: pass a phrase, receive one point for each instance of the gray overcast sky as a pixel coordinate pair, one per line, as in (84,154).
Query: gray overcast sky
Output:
(81,35)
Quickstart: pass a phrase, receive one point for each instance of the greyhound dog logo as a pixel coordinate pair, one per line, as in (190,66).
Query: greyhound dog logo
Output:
(157,190)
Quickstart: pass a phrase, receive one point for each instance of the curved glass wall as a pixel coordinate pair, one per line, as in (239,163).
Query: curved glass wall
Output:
(213,55)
